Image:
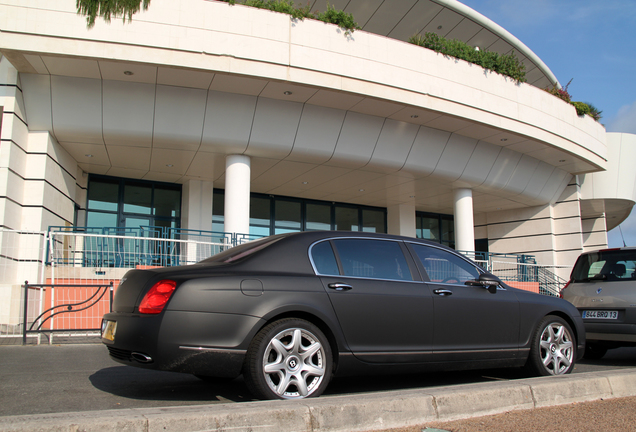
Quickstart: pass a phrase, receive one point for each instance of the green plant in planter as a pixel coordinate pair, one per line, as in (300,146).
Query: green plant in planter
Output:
(503,64)
(332,16)
(340,18)
(108,9)
(581,108)
(560,92)
(594,112)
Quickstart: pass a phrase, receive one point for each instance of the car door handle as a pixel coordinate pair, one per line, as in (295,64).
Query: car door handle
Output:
(443,292)
(340,286)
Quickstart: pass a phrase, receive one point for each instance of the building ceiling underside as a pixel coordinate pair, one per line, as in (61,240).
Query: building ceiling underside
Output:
(175,145)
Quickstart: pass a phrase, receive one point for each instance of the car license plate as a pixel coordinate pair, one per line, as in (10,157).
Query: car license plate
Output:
(600,314)
(109,330)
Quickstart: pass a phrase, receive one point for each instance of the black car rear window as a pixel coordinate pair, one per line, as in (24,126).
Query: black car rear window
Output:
(606,265)
(242,251)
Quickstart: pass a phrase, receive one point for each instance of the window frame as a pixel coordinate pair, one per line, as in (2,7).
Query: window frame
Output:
(411,264)
(422,269)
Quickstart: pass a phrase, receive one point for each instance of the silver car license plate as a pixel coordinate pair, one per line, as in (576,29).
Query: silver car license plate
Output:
(600,314)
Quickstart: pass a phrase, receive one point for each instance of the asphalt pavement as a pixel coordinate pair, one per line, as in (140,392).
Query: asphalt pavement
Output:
(79,387)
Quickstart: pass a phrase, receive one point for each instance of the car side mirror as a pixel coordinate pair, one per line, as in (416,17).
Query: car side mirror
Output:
(487,281)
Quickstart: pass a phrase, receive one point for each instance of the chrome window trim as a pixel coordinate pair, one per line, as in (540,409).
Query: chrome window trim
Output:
(313,264)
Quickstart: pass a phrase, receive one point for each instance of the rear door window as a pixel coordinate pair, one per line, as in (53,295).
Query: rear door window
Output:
(370,258)
(324,260)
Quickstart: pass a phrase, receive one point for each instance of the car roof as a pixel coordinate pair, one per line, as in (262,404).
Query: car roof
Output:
(290,252)
(628,248)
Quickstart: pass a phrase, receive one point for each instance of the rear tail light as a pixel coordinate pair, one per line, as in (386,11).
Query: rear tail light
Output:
(155,300)
(566,285)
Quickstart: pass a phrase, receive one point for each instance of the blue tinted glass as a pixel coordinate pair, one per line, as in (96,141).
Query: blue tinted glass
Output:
(100,220)
(324,259)
(376,259)
(103,195)
(444,266)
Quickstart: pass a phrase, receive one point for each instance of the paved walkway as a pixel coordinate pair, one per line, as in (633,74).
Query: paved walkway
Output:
(607,415)
(390,410)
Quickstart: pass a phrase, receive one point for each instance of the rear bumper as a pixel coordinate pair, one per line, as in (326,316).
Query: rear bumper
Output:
(198,343)
(611,332)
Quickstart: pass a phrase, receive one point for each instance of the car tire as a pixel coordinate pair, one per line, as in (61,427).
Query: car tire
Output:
(288,359)
(594,351)
(553,349)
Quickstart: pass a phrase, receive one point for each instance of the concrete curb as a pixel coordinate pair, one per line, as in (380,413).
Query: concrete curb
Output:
(359,412)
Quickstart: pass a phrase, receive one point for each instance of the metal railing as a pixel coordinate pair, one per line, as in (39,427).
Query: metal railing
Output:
(521,271)
(74,308)
(101,256)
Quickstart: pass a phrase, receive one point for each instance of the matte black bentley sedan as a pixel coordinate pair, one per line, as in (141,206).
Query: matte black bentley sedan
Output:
(292,310)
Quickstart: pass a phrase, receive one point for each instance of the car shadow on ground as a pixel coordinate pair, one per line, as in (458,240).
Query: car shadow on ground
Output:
(619,357)
(376,383)
(142,384)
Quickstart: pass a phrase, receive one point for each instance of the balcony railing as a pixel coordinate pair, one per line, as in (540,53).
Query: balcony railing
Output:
(101,256)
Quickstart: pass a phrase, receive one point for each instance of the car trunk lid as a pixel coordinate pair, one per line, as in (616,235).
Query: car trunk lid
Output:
(131,287)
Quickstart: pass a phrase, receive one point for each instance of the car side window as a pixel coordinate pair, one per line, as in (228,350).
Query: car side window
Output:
(324,259)
(443,266)
(369,258)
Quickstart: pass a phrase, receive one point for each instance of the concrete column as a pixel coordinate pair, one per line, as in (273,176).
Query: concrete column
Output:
(464,225)
(237,194)
(401,220)
(196,205)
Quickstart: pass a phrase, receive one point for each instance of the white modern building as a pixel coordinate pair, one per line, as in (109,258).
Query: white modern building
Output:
(200,115)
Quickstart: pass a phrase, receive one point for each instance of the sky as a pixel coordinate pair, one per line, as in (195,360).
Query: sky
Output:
(590,42)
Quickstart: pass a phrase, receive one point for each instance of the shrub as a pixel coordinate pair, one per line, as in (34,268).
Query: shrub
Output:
(581,108)
(560,92)
(594,112)
(331,15)
(503,64)
(340,18)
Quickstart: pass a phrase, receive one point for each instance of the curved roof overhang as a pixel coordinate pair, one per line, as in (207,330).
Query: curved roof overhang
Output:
(513,144)
(401,19)
(611,194)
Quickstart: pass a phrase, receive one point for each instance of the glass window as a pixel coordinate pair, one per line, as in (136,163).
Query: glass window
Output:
(318,217)
(241,251)
(346,219)
(428,228)
(260,215)
(137,198)
(287,216)
(373,221)
(167,202)
(444,266)
(132,204)
(324,259)
(218,210)
(448,231)
(606,265)
(97,219)
(378,259)
(103,195)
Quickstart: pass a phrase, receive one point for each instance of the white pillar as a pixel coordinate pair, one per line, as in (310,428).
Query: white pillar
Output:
(196,205)
(401,220)
(237,194)
(464,225)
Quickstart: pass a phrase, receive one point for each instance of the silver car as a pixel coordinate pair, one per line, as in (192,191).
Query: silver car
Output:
(603,288)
